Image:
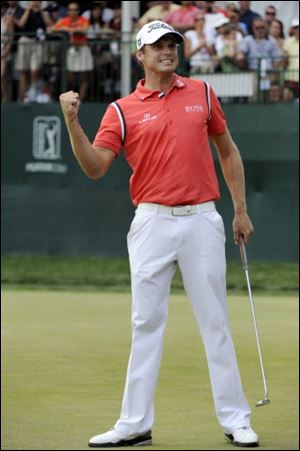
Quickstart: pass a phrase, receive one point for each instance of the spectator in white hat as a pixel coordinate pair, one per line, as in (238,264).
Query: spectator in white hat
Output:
(226,45)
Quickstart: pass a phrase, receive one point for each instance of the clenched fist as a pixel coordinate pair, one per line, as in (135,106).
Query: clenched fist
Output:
(69,102)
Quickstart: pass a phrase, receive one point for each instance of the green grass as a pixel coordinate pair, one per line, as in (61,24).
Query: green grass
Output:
(65,355)
(112,274)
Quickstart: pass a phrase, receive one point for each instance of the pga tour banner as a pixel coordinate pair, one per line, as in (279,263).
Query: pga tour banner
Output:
(46,149)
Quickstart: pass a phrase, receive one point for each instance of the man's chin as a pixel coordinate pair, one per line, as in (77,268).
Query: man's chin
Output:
(167,68)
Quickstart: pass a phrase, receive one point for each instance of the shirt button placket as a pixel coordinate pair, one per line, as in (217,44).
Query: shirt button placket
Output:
(170,120)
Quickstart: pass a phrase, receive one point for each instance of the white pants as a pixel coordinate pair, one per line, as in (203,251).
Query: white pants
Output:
(197,242)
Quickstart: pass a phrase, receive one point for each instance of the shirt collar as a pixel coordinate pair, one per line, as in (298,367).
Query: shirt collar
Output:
(142,93)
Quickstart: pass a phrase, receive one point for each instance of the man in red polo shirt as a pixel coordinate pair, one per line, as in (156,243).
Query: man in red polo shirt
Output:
(164,127)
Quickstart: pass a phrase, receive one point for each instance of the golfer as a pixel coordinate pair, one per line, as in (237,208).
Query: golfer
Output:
(165,127)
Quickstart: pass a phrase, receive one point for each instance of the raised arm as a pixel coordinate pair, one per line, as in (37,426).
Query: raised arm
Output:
(94,161)
(233,171)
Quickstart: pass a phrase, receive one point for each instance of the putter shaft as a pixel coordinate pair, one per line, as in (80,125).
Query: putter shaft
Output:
(245,267)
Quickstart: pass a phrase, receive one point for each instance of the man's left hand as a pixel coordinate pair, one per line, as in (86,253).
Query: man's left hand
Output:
(242,226)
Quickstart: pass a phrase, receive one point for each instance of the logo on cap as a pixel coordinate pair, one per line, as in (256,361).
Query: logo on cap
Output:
(154,26)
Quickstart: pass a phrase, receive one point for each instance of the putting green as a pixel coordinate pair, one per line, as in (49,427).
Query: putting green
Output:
(64,360)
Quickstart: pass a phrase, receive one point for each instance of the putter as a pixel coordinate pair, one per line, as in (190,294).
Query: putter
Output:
(266,399)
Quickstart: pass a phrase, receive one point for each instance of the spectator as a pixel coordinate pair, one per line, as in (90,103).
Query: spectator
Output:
(79,56)
(212,14)
(258,52)
(270,14)
(226,45)
(13,11)
(116,22)
(29,59)
(12,76)
(99,37)
(56,10)
(275,93)
(288,95)
(247,15)
(97,26)
(198,49)
(233,14)
(183,18)
(7,28)
(291,51)
(212,8)
(107,14)
(277,33)
(158,12)
(257,49)
(52,64)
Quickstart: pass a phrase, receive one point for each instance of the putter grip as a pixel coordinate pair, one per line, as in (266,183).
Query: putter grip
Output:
(243,254)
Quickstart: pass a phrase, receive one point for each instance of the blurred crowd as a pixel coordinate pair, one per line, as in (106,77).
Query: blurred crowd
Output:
(232,39)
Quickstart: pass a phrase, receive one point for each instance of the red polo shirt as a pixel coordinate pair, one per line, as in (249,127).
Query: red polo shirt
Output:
(166,143)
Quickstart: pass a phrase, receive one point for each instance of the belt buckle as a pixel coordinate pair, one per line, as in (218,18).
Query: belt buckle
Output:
(184,210)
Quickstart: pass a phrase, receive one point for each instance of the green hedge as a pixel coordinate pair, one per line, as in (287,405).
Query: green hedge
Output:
(93,273)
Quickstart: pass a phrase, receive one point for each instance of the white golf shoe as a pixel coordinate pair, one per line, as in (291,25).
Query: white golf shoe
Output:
(114,438)
(244,436)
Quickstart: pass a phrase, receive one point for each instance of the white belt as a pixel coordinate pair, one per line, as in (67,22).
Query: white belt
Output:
(179,210)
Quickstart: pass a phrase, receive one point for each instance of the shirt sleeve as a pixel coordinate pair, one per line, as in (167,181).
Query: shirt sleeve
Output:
(216,125)
(243,45)
(61,23)
(275,50)
(169,17)
(83,22)
(18,12)
(109,134)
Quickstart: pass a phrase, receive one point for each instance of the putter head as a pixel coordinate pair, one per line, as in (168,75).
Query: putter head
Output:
(262,402)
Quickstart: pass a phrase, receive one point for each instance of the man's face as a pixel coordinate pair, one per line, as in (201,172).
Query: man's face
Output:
(296,32)
(244,5)
(233,13)
(259,29)
(36,6)
(73,10)
(160,57)
(270,13)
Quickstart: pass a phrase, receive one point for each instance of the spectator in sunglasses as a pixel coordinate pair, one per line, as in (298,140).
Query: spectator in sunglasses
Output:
(258,49)
(270,14)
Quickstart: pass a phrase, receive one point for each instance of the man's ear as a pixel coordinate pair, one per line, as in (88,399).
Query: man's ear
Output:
(139,57)
(139,54)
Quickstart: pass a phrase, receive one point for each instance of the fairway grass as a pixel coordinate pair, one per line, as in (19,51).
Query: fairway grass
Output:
(64,358)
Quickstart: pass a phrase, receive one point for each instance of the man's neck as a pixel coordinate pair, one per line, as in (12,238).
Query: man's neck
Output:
(162,82)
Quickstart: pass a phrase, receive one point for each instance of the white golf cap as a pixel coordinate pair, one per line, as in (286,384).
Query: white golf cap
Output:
(153,31)
(295,22)
(221,21)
